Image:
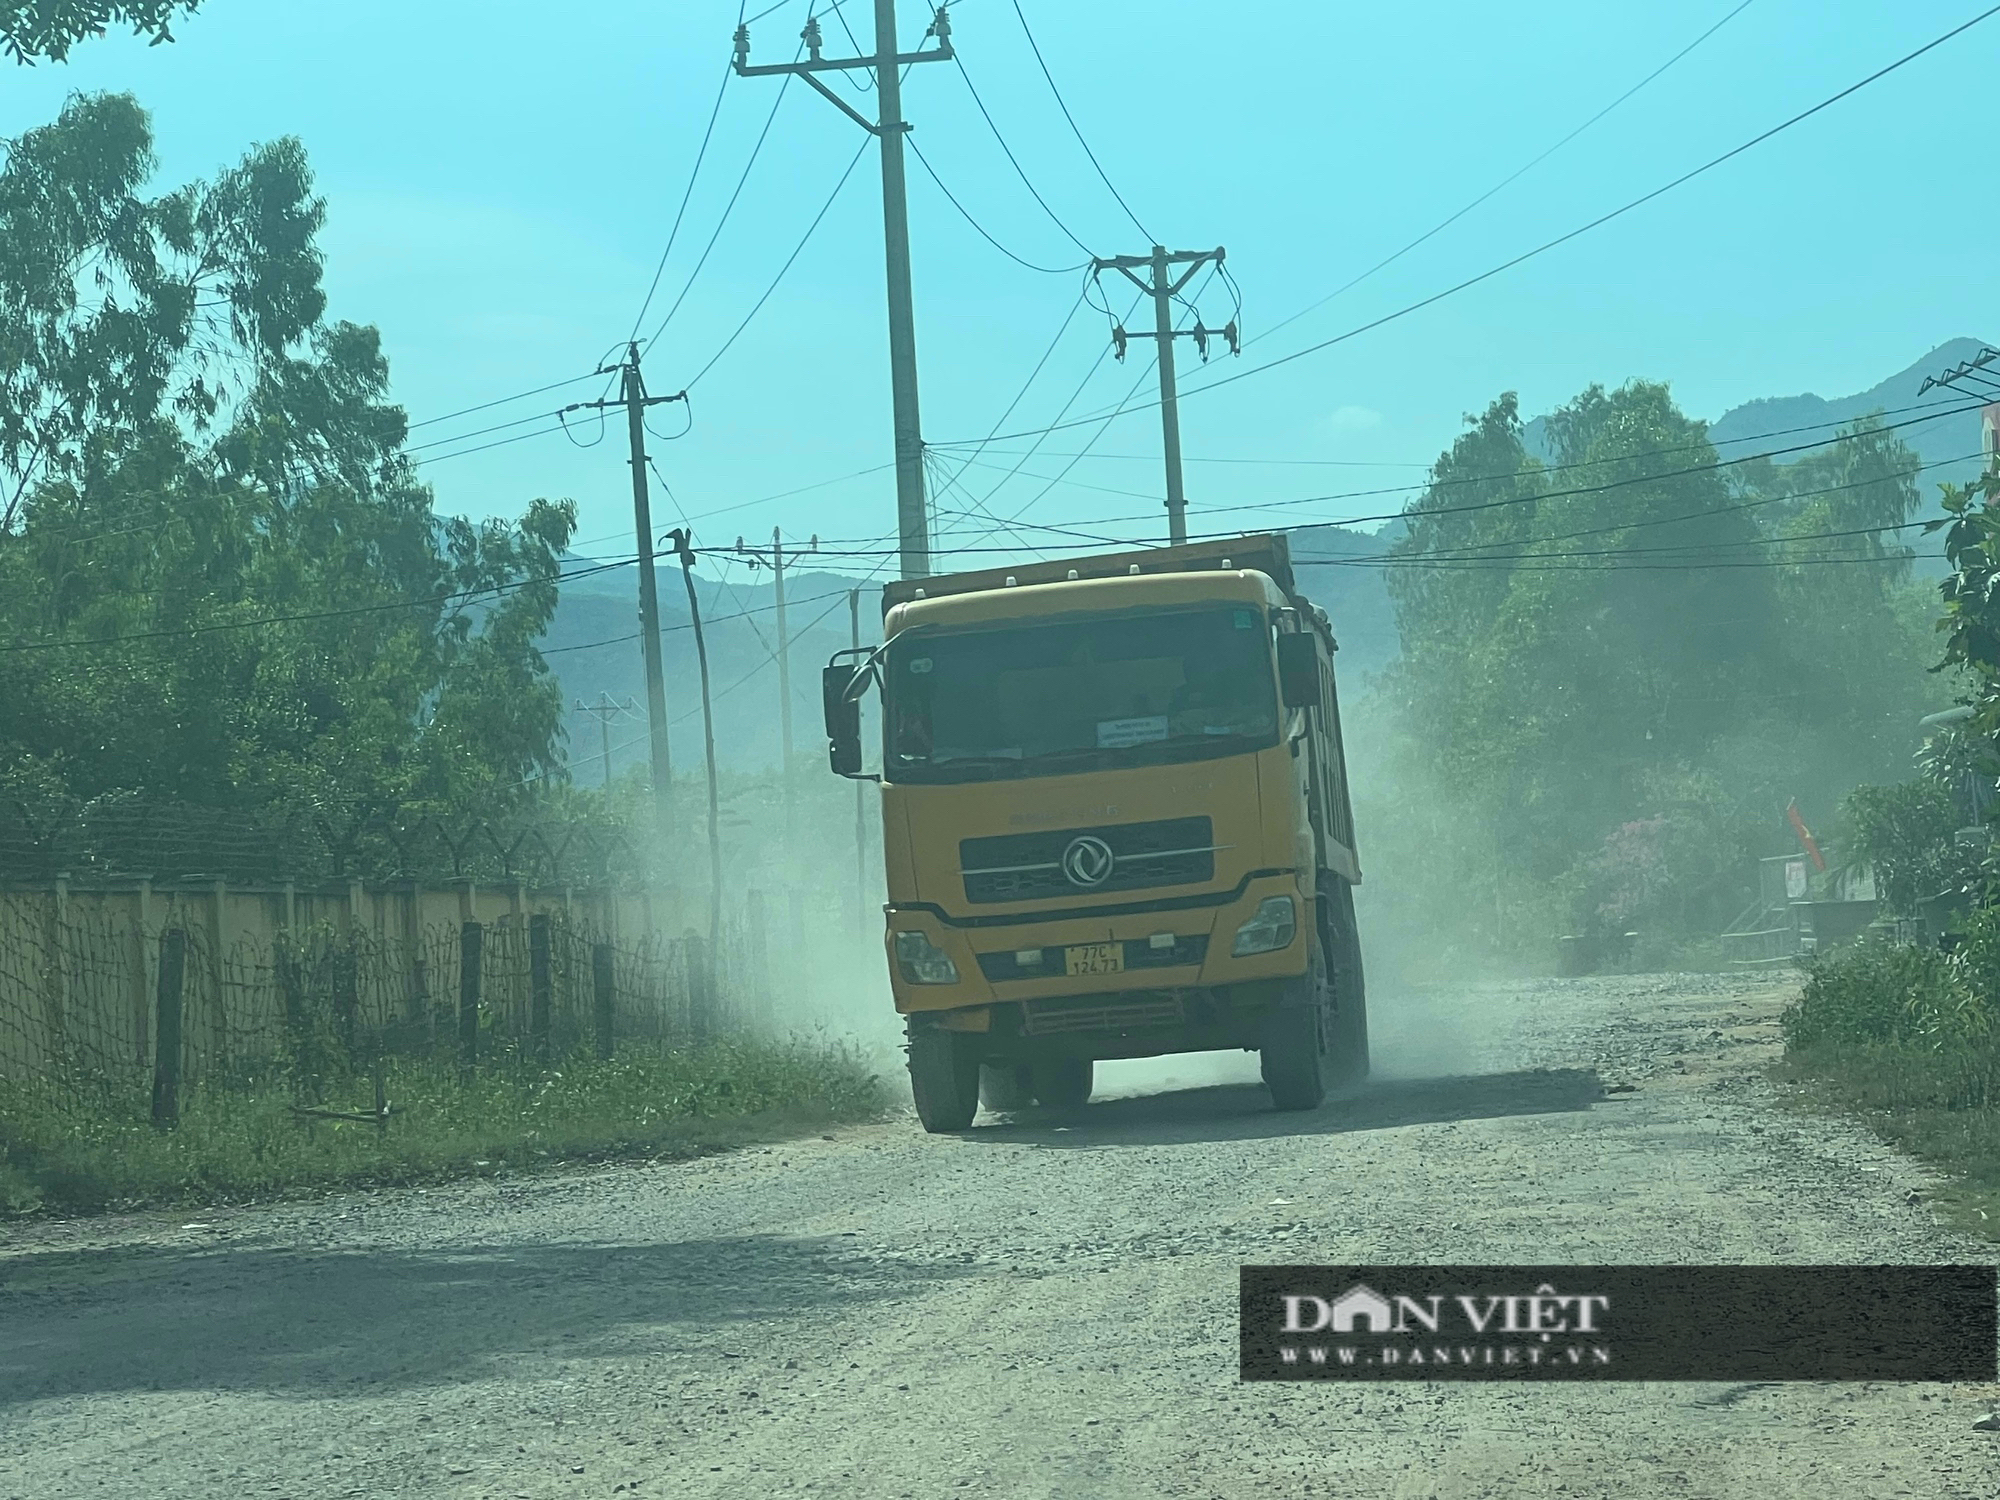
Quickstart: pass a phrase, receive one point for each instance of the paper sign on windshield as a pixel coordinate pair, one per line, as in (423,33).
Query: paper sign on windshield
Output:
(1116,734)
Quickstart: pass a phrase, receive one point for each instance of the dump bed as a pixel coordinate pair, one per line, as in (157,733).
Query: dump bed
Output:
(1266,553)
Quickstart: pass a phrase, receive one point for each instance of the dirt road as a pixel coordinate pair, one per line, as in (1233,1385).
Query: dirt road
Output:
(1041,1308)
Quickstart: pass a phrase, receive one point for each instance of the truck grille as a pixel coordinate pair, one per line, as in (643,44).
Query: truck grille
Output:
(1031,866)
(1142,1010)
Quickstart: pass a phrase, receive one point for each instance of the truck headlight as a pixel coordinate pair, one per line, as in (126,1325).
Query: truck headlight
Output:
(924,962)
(1271,927)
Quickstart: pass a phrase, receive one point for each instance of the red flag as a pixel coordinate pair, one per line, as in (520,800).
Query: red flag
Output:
(1805,835)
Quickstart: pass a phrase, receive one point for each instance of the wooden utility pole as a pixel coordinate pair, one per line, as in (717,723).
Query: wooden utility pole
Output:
(635,401)
(912,510)
(1161,285)
(683,544)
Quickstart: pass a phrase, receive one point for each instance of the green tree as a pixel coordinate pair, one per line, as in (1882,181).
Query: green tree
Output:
(1621,665)
(35,29)
(220,579)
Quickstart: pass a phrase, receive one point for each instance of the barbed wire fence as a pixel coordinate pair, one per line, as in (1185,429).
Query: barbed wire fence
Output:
(119,835)
(103,1015)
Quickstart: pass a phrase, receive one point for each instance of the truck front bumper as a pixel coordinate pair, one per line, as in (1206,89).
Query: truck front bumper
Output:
(1168,948)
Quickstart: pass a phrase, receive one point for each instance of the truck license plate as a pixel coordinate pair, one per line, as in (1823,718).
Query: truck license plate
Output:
(1094,958)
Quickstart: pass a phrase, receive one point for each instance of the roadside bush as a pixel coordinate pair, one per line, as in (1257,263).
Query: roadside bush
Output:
(1879,992)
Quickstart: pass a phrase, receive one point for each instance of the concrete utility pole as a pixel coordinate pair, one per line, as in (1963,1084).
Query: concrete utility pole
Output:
(604,710)
(784,680)
(912,510)
(635,401)
(1161,286)
(860,796)
(775,558)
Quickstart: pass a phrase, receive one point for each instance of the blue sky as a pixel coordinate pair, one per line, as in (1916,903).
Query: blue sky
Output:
(501,179)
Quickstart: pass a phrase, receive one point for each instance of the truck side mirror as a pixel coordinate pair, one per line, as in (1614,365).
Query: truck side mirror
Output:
(843,718)
(1298,670)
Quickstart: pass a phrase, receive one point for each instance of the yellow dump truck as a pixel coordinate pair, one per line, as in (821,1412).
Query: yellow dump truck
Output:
(1115,823)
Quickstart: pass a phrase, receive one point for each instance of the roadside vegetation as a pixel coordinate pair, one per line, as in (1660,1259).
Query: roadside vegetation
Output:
(1623,655)
(1904,1036)
(1904,1028)
(61,1152)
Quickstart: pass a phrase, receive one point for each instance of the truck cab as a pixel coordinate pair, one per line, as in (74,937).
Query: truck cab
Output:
(1115,821)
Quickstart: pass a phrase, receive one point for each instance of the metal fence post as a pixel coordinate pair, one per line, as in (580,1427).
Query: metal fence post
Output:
(167,1028)
(601,994)
(540,985)
(471,946)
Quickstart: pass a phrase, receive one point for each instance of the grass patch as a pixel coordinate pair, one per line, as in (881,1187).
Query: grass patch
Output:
(242,1143)
(1903,1037)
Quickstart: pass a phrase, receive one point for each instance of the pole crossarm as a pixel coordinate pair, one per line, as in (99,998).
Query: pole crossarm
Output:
(643,401)
(1162,285)
(940,53)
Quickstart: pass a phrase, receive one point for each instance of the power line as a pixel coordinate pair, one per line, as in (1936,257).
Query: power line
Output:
(217,626)
(1074,396)
(797,250)
(1406,514)
(1302,463)
(728,208)
(465,437)
(694,174)
(1535,566)
(1947,406)
(1531,498)
(1015,162)
(521,437)
(1026,385)
(966,214)
(1485,548)
(1074,130)
(540,390)
(1582,229)
(1514,176)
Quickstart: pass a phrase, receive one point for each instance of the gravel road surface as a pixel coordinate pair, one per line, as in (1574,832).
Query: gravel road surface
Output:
(1042,1307)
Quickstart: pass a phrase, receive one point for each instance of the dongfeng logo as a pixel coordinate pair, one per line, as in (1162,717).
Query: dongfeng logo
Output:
(1088,861)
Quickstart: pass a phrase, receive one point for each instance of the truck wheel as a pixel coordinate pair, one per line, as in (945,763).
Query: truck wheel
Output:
(1064,1083)
(1005,1086)
(1290,1056)
(944,1078)
(1348,1050)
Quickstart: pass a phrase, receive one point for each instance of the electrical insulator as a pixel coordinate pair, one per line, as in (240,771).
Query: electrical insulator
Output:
(742,46)
(941,24)
(739,544)
(1118,341)
(813,545)
(1235,341)
(1201,340)
(811,37)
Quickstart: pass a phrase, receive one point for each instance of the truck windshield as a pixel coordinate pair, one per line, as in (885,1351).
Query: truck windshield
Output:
(1079,695)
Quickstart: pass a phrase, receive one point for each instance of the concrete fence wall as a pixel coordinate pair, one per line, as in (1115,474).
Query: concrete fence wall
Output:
(79,961)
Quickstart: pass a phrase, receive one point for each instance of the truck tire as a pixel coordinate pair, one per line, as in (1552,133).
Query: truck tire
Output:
(1347,1060)
(1005,1086)
(944,1079)
(1294,1046)
(1064,1083)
